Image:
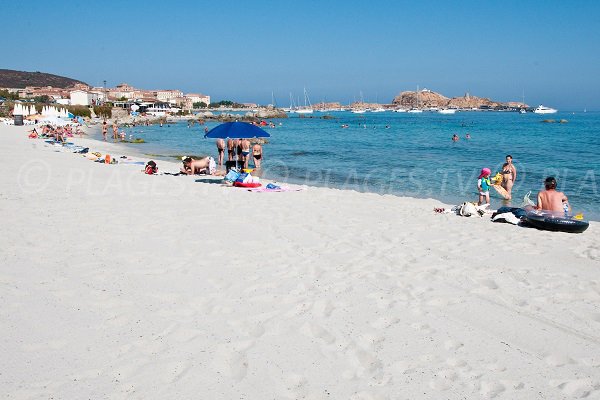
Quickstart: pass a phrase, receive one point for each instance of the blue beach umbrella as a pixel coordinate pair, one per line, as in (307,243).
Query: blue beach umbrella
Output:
(236,130)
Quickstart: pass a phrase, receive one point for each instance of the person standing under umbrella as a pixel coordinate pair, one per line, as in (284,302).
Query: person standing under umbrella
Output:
(230,151)
(221,150)
(245,146)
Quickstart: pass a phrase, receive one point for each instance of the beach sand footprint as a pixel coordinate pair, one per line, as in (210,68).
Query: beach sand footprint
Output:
(231,359)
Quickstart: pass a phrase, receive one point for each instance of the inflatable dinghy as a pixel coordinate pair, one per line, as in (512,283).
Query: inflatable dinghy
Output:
(555,221)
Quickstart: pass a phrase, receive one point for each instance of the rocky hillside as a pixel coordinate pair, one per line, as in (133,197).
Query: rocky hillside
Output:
(20,79)
(428,98)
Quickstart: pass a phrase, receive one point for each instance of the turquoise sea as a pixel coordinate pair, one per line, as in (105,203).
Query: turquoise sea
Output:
(413,155)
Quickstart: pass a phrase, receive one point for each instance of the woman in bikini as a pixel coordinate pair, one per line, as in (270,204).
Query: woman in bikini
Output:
(509,175)
(257,154)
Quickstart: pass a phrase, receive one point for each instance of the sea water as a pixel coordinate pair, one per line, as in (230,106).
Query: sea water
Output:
(413,154)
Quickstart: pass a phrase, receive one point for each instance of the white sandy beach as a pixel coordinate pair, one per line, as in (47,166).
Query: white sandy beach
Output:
(119,285)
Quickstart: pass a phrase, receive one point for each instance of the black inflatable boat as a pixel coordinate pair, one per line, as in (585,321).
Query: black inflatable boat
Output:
(555,221)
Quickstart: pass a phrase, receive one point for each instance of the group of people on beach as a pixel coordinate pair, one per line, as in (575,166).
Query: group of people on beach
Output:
(115,131)
(239,150)
(58,133)
(548,199)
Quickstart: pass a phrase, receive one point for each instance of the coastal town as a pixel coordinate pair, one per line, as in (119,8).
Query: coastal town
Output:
(161,102)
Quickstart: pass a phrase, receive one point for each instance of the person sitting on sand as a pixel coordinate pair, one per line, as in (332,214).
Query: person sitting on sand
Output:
(221,150)
(484,184)
(257,154)
(550,199)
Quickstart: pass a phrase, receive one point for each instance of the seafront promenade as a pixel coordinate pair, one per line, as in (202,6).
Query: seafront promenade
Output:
(117,284)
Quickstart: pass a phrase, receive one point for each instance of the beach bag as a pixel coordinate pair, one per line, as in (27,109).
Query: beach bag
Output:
(243,177)
(467,209)
(232,175)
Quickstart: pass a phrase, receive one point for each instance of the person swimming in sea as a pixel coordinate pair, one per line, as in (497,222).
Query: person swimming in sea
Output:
(455,138)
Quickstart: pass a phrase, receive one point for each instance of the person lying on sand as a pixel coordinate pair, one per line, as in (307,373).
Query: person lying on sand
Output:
(203,166)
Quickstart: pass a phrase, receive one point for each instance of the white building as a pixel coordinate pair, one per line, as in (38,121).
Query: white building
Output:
(198,98)
(168,96)
(83,98)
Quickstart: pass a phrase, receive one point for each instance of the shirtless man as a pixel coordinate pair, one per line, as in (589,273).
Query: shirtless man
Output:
(509,175)
(104,130)
(230,151)
(221,150)
(257,154)
(192,167)
(245,147)
(550,199)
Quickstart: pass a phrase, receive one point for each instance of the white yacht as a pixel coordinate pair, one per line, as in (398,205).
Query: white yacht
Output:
(415,111)
(523,111)
(379,109)
(359,111)
(400,110)
(544,110)
(447,110)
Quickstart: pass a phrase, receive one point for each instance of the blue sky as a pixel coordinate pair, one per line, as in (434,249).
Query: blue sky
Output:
(245,50)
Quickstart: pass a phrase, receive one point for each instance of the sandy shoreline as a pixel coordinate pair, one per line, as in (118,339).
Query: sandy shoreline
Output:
(116,284)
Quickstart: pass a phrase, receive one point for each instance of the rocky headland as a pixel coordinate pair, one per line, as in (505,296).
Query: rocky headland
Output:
(429,99)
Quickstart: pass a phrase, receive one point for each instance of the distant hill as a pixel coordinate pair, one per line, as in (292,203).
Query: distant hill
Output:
(21,79)
(428,98)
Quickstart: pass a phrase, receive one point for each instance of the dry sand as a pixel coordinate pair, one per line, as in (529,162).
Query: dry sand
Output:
(119,285)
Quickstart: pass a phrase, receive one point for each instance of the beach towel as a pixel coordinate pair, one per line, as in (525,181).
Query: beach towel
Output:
(508,217)
(270,188)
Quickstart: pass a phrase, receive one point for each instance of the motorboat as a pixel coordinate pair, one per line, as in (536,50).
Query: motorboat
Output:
(544,110)
(400,110)
(447,111)
(415,111)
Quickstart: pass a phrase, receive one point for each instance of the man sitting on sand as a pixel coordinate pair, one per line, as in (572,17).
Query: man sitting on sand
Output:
(551,199)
